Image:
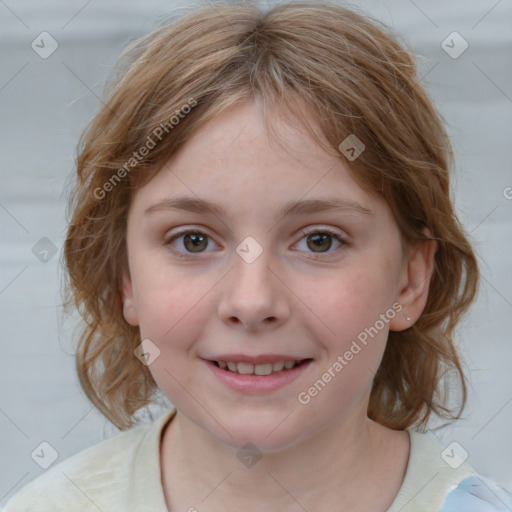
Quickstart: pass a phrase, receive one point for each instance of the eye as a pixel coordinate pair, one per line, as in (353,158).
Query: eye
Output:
(319,241)
(193,241)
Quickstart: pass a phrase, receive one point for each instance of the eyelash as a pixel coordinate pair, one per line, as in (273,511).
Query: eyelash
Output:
(190,256)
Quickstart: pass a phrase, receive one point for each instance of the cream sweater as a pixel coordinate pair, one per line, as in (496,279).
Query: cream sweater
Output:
(122,474)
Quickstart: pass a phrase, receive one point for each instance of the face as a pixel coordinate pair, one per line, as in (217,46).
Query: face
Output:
(251,281)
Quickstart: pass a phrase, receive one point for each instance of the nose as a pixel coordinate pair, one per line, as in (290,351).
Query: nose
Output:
(254,296)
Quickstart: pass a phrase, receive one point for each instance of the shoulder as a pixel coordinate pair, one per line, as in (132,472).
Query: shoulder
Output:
(74,483)
(99,477)
(438,477)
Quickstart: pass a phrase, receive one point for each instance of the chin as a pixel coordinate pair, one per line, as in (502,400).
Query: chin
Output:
(269,434)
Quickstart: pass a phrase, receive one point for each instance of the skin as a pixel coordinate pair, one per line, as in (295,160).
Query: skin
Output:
(290,300)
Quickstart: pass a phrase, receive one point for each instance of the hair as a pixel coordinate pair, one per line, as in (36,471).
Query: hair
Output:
(336,72)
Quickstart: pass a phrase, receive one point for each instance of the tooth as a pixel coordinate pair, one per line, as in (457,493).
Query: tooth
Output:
(263,369)
(259,369)
(245,368)
(277,367)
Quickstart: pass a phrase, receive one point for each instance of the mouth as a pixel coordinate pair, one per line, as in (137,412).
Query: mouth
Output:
(263,369)
(260,378)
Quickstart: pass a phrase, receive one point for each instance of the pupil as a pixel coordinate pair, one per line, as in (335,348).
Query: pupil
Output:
(196,240)
(318,240)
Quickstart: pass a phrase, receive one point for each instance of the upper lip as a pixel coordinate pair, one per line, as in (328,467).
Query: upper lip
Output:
(260,359)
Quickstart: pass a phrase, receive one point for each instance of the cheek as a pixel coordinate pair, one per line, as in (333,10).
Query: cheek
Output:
(352,310)
(172,313)
(353,338)
(169,300)
(349,300)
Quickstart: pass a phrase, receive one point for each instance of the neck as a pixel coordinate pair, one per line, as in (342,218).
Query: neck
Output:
(327,469)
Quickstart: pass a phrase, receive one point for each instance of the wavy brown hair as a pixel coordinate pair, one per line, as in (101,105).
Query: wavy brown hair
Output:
(334,71)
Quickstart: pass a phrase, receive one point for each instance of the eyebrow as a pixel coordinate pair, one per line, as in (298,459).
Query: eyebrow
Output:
(302,207)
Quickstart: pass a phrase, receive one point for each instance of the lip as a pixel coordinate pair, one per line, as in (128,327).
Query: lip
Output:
(259,359)
(257,384)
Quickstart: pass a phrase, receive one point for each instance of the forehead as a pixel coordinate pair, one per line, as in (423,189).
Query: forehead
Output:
(234,162)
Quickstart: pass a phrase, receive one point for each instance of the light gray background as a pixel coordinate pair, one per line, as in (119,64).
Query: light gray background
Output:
(46,103)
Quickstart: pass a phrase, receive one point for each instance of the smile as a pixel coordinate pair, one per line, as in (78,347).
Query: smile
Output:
(255,379)
(257,369)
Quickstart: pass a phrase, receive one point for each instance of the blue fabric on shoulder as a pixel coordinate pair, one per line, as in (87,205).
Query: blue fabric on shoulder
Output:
(478,494)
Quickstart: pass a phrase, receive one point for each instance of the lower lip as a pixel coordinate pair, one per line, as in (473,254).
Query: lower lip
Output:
(257,383)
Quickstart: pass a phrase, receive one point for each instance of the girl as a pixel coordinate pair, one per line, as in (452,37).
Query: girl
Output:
(262,230)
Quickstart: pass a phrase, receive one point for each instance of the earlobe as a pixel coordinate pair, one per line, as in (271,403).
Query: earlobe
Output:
(130,312)
(415,284)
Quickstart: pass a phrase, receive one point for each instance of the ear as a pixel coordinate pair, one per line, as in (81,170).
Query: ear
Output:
(415,282)
(130,312)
